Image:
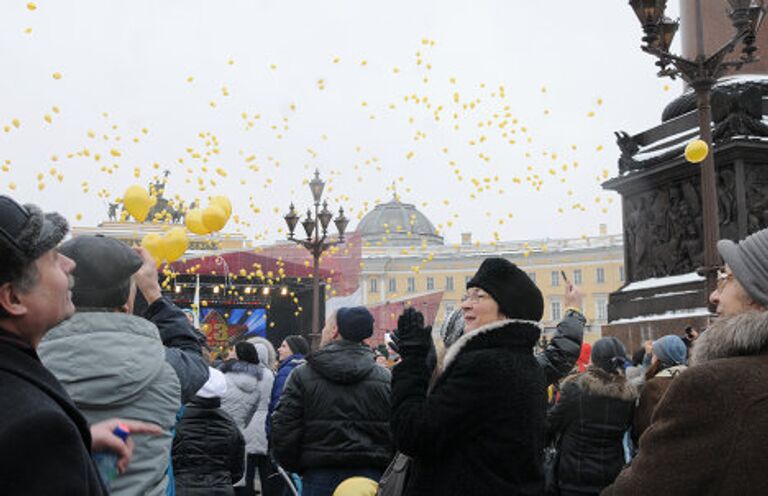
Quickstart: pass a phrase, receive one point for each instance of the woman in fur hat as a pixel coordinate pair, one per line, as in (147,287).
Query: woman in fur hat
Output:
(478,427)
(594,411)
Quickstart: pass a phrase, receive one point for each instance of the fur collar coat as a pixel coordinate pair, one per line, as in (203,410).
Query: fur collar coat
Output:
(480,428)
(708,434)
(589,421)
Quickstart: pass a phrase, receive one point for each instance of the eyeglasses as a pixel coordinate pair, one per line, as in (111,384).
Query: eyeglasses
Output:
(473,297)
(722,278)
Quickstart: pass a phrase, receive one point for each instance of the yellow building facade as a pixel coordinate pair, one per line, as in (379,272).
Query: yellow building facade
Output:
(403,258)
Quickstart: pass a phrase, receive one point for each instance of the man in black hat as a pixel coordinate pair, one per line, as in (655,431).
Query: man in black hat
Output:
(45,442)
(332,420)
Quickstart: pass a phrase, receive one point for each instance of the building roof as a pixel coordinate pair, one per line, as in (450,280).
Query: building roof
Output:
(397,224)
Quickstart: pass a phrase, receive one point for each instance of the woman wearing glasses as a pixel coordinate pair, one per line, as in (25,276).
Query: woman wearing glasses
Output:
(477,426)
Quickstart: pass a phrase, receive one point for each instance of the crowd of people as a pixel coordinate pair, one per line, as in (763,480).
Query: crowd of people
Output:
(106,387)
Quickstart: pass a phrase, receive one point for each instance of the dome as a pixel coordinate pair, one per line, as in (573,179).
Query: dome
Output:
(399,224)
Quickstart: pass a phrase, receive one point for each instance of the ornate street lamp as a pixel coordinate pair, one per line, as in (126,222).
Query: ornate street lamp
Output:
(317,241)
(701,73)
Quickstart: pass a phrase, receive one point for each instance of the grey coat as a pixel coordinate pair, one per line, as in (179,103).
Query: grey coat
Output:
(113,365)
(247,400)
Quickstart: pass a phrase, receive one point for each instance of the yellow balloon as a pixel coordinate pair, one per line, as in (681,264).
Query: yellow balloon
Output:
(194,221)
(214,218)
(154,244)
(224,203)
(356,486)
(175,244)
(696,151)
(137,202)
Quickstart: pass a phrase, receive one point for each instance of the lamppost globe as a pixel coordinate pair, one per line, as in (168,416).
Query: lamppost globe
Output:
(316,186)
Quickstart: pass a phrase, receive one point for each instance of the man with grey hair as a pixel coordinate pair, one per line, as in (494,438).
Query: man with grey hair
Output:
(708,434)
(146,367)
(45,442)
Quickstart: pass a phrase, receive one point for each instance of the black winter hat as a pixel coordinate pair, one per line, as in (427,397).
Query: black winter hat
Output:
(103,272)
(297,344)
(511,288)
(354,323)
(609,354)
(25,234)
(246,352)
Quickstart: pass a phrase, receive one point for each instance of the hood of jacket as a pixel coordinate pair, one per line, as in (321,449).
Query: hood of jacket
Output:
(740,335)
(508,333)
(598,382)
(292,361)
(103,359)
(343,362)
(243,375)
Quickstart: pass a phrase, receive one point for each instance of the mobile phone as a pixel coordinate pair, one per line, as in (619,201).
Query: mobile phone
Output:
(565,278)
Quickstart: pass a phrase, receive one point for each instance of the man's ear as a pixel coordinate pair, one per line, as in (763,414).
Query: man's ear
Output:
(10,301)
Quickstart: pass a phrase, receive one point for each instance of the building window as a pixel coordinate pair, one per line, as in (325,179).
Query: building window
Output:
(600,275)
(577,276)
(555,278)
(555,310)
(430,283)
(411,284)
(621,273)
(374,285)
(601,308)
(532,276)
(449,283)
(392,285)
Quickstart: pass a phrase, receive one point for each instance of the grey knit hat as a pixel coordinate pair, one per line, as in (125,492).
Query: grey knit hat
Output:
(748,261)
(25,234)
(670,350)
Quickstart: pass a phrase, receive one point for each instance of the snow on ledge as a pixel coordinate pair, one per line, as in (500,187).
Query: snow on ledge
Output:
(659,282)
(672,314)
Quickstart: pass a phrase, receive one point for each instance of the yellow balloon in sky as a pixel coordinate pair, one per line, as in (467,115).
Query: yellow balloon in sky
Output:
(224,203)
(696,151)
(137,202)
(214,218)
(175,244)
(194,222)
(155,245)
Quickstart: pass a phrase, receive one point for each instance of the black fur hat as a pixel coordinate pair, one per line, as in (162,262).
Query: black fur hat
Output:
(511,288)
(25,234)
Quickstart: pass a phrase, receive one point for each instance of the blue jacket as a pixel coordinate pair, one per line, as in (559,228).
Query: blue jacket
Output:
(283,371)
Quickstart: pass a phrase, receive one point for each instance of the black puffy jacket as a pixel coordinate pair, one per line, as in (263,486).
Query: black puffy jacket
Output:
(208,450)
(594,411)
(564,348)
(334,412)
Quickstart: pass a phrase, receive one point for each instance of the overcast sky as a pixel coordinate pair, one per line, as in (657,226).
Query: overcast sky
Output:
(288,86)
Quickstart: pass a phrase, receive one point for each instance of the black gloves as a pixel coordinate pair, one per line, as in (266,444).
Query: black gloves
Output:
(411,337)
